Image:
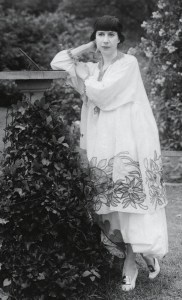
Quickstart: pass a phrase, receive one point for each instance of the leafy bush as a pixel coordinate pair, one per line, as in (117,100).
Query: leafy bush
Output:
(66,100)
(49,244)
(31,6)
(162,45)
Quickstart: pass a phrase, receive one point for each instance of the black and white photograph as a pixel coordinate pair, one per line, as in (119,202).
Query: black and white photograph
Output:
(91,150)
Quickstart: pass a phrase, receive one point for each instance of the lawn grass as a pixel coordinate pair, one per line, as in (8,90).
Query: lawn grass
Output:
(168,285)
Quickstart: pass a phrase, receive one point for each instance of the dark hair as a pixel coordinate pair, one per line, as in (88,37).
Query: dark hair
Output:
(108,23)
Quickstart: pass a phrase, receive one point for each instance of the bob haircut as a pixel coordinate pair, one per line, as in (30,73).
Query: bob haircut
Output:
(108,23)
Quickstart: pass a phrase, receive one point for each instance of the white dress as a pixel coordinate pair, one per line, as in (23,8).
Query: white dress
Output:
(119,133)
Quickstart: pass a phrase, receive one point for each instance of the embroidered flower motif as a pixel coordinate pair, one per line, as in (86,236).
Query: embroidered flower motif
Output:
(155,180)
(128,189)
(131,193)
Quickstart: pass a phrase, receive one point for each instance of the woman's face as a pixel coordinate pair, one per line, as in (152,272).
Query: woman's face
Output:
(107,41)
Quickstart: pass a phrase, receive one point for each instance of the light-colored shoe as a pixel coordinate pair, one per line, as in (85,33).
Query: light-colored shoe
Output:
(128,283)
(154,270)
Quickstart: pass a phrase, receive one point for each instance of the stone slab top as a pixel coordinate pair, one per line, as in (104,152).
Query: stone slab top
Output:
(27,75)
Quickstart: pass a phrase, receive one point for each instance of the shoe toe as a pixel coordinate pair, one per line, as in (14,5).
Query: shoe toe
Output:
(154,271)
(128,284)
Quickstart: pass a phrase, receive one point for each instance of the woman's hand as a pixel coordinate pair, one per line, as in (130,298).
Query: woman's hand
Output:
(92,46)
(82,70)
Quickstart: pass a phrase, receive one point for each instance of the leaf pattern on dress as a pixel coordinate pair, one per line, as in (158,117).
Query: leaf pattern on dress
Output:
(128,190)
(154,178)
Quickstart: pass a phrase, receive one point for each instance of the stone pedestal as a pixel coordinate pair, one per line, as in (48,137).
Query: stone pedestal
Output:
(33,84)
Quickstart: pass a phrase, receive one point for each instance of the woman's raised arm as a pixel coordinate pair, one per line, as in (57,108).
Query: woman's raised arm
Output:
(68,60)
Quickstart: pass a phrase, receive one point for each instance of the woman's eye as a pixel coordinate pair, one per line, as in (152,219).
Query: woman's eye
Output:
(110,34)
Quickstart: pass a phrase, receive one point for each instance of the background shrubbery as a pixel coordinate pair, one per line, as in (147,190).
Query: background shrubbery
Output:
(163,46)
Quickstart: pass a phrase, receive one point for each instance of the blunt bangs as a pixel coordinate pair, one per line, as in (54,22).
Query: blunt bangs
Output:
(108,23)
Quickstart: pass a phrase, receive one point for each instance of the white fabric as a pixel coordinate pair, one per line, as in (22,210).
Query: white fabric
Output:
(120,137)
(147,233)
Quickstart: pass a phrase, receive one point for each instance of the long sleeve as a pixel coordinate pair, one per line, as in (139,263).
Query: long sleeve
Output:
(116,89)
(62,61)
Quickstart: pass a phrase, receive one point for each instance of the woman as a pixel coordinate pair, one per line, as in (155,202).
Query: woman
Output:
(119,133)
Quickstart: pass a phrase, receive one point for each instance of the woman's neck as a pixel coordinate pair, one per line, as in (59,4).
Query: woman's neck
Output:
(107,59)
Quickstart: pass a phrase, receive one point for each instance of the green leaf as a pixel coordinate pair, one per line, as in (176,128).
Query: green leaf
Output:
(65,145)
(86,273)
(95,273)
(49,120)
(92,278)
(57,167)
(61,139)
(3,221)
(6,282)
(20,127)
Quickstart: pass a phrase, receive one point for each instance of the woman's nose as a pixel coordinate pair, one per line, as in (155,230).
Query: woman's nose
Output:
(106,38)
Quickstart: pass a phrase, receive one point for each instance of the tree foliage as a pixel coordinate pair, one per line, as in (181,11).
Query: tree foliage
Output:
(163,46)
(31,6)
(131,12)
(38,36)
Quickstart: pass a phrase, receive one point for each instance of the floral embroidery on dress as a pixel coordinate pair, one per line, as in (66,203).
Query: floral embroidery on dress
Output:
(128,189)
(154,180)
